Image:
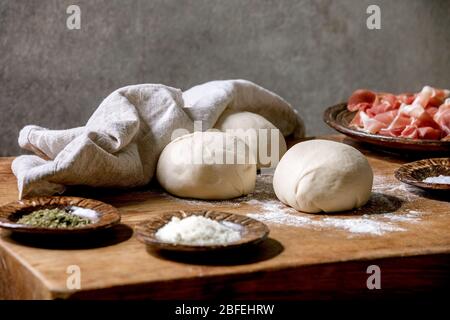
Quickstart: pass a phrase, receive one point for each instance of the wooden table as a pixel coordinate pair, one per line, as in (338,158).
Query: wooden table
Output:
(317,260)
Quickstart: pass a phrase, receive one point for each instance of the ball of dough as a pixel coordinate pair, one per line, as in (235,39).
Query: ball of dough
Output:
(247,125)
(207,165)
(321,175)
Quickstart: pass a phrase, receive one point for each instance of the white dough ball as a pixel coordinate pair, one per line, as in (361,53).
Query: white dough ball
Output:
(207,165)
(321,175)
(250,125)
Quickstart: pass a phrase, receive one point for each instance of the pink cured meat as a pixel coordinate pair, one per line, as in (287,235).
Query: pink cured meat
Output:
(414,132)
(387,99)
(412,121)
(442,117)
(424,120)
(429,133)
(379,108)
(422,115)
(406,98)
(398,124)
(432,110)
(361,99)
(369,124)
(438,97)
(386,117)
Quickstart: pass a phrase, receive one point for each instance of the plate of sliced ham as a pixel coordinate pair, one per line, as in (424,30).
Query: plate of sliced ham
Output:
(408,121)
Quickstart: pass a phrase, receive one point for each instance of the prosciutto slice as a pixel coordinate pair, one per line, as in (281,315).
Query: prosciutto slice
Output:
(442,117)
(361,99)
(422,115)
(370,125)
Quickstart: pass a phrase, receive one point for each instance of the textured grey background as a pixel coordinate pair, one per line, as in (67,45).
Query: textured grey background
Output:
(313,53)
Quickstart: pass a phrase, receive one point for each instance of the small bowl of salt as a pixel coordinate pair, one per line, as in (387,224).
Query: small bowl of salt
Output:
(200,231)
(428,174)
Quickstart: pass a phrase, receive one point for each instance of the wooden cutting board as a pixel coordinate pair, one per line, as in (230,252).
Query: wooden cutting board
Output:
(403,230)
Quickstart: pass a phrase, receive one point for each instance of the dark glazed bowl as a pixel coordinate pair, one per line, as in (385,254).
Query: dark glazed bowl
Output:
(10,213)
(414,173)
(252,231)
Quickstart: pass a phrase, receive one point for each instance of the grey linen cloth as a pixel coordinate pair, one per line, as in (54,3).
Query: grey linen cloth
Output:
(121,142)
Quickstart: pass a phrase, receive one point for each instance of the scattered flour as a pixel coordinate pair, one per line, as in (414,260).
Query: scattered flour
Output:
(411,217)
(361,225)
(392,186)
(367,220)
(276,214)
(381,215)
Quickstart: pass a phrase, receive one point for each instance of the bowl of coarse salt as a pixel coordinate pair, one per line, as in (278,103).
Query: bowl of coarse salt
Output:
(200,231)
(428,174)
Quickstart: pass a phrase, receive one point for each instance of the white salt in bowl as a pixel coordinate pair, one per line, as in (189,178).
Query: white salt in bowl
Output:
(251,231)
(415,173)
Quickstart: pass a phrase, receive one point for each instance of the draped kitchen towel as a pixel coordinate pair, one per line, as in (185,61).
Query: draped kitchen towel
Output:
(121,142)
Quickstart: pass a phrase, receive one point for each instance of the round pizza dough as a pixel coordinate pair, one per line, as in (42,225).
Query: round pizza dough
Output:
(207,165)
(247,125)
(321,175)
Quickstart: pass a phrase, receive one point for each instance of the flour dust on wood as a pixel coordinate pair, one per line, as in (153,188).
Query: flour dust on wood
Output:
(390,209)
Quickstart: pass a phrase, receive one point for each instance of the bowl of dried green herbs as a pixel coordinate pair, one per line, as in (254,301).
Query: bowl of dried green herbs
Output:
(58,215)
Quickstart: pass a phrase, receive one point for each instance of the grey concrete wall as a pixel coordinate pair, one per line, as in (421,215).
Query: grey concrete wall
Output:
(313,53)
